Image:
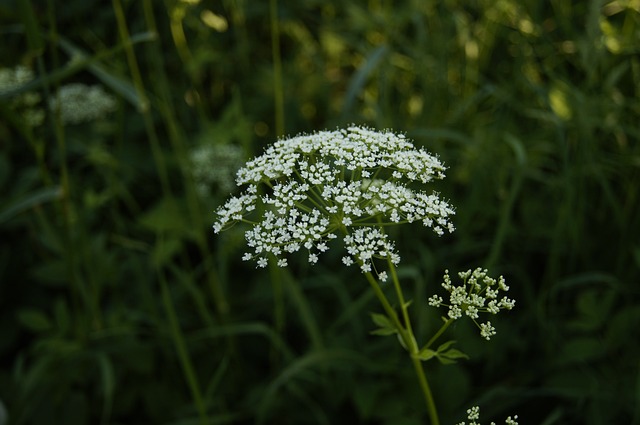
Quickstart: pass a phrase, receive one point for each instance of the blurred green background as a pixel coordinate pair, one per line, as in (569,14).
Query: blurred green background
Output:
(118,304)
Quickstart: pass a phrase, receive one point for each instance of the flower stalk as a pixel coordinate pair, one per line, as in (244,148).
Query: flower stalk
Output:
(350,185)
(405,332)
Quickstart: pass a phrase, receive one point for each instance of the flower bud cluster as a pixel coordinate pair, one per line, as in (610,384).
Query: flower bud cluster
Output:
(351,182)
(479,293)
(473,414)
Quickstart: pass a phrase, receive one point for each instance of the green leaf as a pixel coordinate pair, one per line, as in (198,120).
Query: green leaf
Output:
(444,354)
(446,345)
(426,354)
(29,201)
(108,384)
(61,315)
(386,326)
(34,320)
(82,61)
(445,360)
(401,341)
(120,85)
(360,77)
(451,356)
(381,320)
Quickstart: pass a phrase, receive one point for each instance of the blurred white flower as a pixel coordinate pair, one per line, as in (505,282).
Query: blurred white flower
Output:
(214,166)
(79,103)
(25,103)
(13,78)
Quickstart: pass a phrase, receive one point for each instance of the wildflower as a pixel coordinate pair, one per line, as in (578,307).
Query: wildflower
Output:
(25,103)
(350,182)
(473,415)
(13,78)
(79,103)
(215,166)
(479,293)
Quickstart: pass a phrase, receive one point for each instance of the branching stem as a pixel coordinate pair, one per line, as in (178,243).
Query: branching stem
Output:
(406,334)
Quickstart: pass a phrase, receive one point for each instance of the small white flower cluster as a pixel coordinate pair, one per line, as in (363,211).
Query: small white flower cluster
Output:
(364,244)
(478,294)
(25,103)
(473,414)
(215,166)
(79,103)
(351,182)
(13,78)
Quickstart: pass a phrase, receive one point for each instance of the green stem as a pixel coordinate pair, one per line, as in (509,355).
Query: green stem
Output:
(405,332)
(391,313)
(408,338)
(177,140)
(277,68)
(403,304)
(183,352)
(413,348)
(440,332)
(426,390)
(143,103)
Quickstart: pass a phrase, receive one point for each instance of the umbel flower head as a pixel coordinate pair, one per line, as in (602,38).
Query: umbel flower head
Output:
(479,293)
(304,191)
(214,166)
(79,103)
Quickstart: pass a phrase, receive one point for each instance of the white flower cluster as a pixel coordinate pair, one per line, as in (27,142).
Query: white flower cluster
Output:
(352,182)
(478,294)
(473,414)
(364,244)
(79,103)
(215,166)
(13,78)
(26,103)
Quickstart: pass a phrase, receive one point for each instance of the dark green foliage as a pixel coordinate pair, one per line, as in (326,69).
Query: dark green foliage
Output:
(118,304)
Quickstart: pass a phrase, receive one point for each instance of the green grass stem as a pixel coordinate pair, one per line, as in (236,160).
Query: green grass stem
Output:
(182,351)
(278,86)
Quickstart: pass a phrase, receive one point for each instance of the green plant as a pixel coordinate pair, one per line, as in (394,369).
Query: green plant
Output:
(110,276)
(358,183)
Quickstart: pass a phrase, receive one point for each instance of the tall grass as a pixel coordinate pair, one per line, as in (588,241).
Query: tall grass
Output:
(119,306)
